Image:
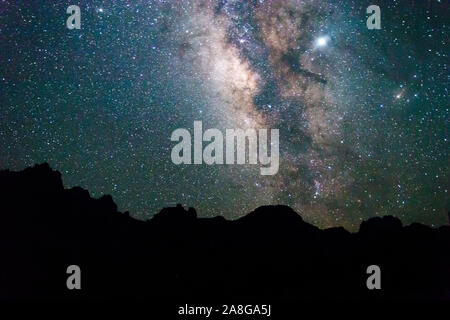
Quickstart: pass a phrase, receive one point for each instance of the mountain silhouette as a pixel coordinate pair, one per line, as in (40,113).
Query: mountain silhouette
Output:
(269,253)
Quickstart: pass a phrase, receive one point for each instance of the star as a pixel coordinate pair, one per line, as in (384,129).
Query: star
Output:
(322,41)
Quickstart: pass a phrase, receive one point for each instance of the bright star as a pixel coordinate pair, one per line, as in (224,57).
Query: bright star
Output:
(322,41)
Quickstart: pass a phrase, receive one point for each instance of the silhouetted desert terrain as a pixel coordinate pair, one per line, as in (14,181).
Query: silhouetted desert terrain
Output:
(270,253)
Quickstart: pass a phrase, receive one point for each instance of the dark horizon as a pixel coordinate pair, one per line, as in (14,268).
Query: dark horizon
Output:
(270,254)
(46,166)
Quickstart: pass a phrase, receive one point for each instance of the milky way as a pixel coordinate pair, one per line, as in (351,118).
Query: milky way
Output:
(362,113)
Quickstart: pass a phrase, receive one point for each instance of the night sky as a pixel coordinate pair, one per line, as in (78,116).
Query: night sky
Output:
(363,114)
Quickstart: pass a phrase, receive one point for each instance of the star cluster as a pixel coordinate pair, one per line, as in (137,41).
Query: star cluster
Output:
(363,114)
